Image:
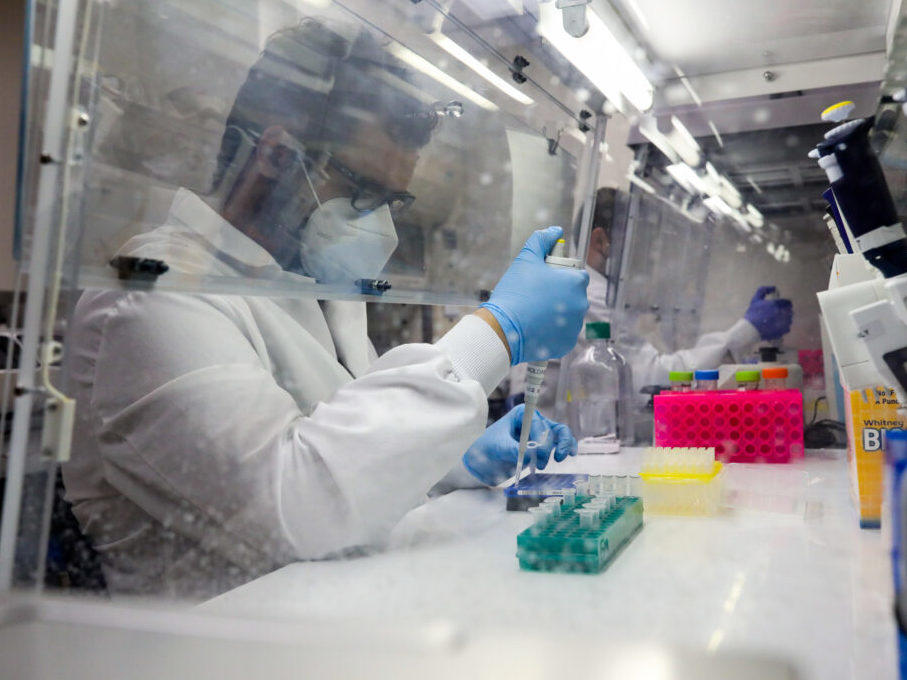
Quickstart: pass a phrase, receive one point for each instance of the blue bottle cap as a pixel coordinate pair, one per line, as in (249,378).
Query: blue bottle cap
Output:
(707,375)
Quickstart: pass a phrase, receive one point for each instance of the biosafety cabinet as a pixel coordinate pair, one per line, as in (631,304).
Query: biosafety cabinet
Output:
(472,123)
(145,109)
(130,105)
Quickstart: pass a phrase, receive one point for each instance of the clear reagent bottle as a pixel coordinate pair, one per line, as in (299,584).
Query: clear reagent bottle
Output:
(594,394)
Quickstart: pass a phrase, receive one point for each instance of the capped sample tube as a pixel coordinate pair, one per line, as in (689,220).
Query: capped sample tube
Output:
(706,380)
(747,380)
(774,378)
(681,381)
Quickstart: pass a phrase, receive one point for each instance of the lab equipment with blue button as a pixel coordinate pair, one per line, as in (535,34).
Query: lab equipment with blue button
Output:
(493,457)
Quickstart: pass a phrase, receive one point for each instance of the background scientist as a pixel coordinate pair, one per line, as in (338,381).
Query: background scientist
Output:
(765,318)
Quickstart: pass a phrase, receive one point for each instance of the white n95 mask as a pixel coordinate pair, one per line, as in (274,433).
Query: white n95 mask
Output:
(341,244)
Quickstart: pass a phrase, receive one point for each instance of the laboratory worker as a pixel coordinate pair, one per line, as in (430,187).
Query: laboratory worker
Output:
(766,317)
(219,437)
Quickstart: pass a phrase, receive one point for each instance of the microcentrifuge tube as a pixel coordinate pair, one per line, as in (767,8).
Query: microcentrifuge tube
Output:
(588,517)
(597,484)
(601,506)
(540,515)
(623,485)
(610,501)
(569,497)
(553,502)
(582,488)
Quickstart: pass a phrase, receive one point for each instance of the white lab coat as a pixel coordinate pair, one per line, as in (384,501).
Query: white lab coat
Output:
(649,366)
(220,437)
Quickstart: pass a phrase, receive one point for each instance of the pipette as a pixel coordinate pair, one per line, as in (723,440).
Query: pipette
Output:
(535,370)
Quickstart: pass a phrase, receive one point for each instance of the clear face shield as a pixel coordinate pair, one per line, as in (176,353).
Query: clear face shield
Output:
(271,189)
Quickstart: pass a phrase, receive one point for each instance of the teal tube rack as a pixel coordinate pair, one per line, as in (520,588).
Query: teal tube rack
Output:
(559,543)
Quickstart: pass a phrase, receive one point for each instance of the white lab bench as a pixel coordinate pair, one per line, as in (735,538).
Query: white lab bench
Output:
(786,572)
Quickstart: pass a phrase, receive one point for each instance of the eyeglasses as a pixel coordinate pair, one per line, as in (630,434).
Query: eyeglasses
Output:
(369,195)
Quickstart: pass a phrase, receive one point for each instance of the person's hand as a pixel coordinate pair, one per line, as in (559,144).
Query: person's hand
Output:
(772,318)
(540,308)
(492,458)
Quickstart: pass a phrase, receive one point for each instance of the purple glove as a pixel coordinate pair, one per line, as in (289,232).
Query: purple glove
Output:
(772,318)
(492,458)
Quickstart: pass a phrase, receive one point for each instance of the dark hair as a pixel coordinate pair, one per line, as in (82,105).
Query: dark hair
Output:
(319,85)
(603,213)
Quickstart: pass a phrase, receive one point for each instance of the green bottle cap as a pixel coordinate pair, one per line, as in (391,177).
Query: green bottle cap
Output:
(680,376)
(598,330)
(747,376)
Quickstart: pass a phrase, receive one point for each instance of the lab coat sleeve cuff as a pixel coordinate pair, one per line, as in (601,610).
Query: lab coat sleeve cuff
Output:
(741,335)
(476,352)
(457,478)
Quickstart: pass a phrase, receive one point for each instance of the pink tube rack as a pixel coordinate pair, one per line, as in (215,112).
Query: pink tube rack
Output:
(744,427)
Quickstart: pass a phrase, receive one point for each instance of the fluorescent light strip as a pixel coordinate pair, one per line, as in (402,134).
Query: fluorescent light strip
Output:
(686,176)
(600,57)
(741,220)
(637,10)
(717,134)
(730,194)
(720,186)
(718,206)
(688,85)
(641,183)
(648,128)
(460,54)
(684,133)
(402,85)
(684,143)
(409,57)
(754,216)
(713,173)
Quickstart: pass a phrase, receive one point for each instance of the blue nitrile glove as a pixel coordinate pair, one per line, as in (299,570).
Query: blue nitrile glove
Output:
(492,458)
(772,318)
(540,307)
